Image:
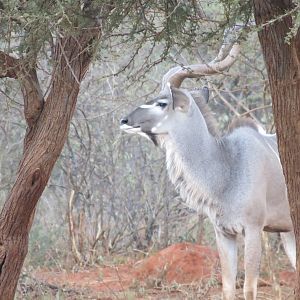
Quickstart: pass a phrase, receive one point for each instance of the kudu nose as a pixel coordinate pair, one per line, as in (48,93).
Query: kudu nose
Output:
(124,121)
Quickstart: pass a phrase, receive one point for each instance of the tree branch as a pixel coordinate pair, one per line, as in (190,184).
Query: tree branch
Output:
(9,66)
(33,97)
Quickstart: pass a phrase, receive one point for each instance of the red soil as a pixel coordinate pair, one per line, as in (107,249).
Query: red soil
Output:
(97,279)
(183,263)
(180,263)
(287,278)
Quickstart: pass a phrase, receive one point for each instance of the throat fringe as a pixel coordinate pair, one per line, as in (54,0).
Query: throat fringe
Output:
(191,191)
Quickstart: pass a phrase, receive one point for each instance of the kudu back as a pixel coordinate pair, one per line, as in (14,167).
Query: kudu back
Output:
(236,179)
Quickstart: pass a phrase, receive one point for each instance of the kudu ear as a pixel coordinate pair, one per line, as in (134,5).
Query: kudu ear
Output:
(179,98)
(205,94)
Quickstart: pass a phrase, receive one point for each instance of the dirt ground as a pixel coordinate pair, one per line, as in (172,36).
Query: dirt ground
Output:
(181,271)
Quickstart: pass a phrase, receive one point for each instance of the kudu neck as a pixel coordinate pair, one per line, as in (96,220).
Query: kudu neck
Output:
(192,135)
(196,155)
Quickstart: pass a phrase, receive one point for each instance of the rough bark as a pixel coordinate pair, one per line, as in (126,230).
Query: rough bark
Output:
(48,123)
(9,66)
(283,67)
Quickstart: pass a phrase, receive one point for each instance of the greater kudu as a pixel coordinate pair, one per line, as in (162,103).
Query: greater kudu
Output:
(236,179)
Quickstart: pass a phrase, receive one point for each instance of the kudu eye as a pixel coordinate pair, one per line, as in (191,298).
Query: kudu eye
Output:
(162,104)
(124,121)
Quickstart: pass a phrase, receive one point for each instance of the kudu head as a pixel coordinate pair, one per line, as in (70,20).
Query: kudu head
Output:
(173,104)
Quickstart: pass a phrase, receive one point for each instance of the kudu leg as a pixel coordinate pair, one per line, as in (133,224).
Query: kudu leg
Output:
(252,262)
(289,243)
(227,247)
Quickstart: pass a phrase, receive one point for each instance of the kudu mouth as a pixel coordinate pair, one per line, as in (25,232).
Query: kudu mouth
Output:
(137,129)
(130,129)
(124,126)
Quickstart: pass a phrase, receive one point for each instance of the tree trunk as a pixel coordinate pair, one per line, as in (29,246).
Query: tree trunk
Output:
(283,67)
(48,125)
